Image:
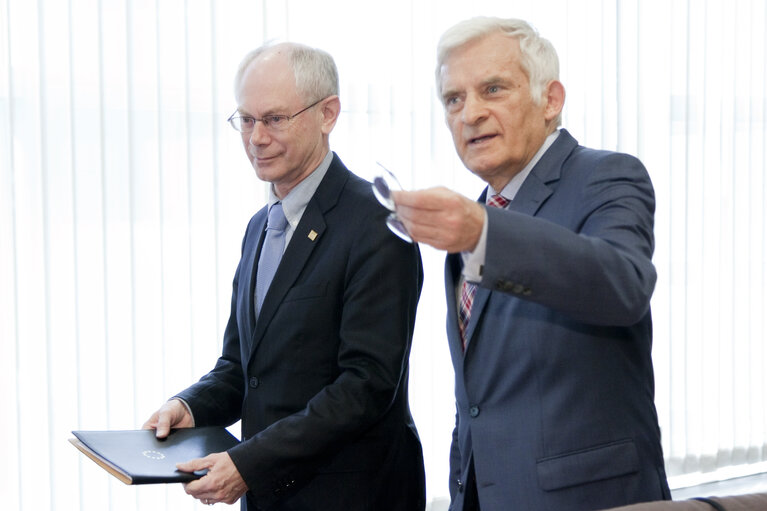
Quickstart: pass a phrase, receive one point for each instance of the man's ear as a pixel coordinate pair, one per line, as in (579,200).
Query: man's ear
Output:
(331,108)
(555,99)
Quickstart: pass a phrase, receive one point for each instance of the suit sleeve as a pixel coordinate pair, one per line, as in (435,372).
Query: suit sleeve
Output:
(587,251)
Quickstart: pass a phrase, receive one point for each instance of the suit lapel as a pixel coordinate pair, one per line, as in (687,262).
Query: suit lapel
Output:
(529,199)
(305,239)
(537,186)
(296,254)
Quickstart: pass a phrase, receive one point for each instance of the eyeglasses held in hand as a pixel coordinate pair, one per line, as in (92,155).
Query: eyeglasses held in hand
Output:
(247,123)
(383,185)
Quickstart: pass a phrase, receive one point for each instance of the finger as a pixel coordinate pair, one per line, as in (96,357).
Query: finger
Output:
(195,464)
(425,227)
(417,199)
(420,217)
(402,198)
(151,423)
(195,489)
(199,491)
(199,488)
(163,425)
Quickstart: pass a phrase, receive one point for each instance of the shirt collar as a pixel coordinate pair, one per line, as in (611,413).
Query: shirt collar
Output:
(511,189)
(294,204)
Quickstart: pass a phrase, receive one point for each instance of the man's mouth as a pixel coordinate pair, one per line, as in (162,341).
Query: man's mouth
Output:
(260,158)
(254,153)
(480,139)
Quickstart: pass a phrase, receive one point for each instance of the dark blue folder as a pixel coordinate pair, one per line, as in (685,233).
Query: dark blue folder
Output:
(138,457)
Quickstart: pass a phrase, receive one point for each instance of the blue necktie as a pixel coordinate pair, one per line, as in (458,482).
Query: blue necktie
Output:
(271,252)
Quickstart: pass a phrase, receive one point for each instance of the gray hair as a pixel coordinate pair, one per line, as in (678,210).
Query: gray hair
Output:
(314,69)
(539,58)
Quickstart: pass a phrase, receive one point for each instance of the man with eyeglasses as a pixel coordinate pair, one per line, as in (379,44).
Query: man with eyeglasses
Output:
(548,278)
(315,363)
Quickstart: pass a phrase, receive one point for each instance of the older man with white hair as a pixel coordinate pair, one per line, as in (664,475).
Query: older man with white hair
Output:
(548,280)
(315,354)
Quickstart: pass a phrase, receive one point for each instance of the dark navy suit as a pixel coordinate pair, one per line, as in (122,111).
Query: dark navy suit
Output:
(555,391)
(320,379)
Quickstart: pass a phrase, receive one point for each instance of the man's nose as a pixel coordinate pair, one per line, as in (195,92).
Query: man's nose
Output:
(259,135)
(474,110)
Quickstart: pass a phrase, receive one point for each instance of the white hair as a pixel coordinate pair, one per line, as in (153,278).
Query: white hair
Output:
(314,69)
(539,58)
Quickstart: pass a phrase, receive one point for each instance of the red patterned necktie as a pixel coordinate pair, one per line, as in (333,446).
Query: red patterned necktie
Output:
(468,290)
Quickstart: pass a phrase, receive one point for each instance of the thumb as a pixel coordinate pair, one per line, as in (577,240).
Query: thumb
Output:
(163,426)
(399,196)
(195,464)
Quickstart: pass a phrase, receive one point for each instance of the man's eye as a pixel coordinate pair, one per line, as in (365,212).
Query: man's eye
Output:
(275,121)
(247,121)
(493,89)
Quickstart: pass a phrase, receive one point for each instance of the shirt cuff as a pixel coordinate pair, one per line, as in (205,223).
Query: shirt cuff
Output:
(186,405)
(474,261)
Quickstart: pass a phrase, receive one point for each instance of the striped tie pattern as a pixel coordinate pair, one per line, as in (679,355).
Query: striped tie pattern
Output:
(469,290)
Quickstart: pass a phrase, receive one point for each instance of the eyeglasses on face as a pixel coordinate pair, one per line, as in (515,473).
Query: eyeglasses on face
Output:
(247,123)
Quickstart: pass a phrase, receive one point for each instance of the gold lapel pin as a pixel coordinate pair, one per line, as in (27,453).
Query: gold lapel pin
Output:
(312,235)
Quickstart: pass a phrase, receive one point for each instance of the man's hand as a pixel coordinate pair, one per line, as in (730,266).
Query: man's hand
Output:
(439,217)
(222,483)
(173,414)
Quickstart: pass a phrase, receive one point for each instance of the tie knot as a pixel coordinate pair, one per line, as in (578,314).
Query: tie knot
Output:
(498,201)
(276,218)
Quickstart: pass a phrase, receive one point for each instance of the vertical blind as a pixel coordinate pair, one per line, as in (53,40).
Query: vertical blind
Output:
(124,196)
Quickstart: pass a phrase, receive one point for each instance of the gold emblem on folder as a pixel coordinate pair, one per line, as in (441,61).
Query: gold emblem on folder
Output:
(312,235)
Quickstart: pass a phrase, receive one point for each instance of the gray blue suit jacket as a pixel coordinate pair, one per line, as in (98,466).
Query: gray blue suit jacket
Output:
(320,379)
(555,391)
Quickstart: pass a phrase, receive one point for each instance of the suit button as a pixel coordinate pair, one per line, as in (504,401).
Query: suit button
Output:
(460,485)
(253,382)
(474,411)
